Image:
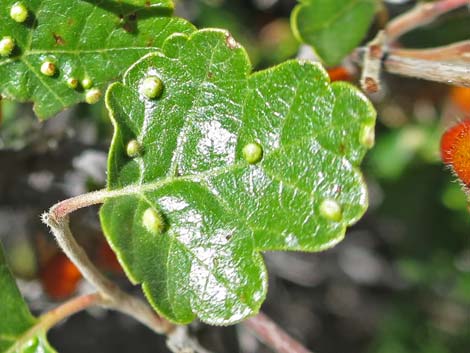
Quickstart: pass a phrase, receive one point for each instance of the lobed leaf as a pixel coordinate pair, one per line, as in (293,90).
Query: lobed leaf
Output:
(97,40)
(332,27)
(16,319)
(189,215)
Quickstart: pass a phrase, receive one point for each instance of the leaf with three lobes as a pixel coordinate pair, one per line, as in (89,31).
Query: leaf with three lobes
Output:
(189,215)
(95,40)
(16,319)
(332,27)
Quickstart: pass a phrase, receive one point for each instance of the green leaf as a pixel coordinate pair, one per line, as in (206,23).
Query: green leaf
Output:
(16,319)
(189,216)
(146,3)
(98,40)
(333,27)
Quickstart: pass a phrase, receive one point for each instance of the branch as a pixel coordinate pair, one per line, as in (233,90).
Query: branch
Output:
(57,219)
(421,15)
(53,317)
(372,64)
(273,336)
(453,73)
(454,52)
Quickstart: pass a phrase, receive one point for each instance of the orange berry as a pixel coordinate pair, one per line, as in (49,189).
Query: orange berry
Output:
(59,277)
(339,73)
(460,96)
(455,150)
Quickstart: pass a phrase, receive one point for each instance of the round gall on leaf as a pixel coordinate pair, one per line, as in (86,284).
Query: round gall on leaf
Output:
(331,210)
(151,87)
(367,137)
(93,96)
(72,83)
(19,12)
(87,83)
(7,44)
(253,153)
(133,148)
(455,150)
(48,68)
(153,221)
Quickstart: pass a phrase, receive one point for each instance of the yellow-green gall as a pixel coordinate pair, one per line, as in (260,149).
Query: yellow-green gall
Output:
(367,136)
(153,221)
(19,12)
(151,87)
(7,44)
(87,83)
(252,152)
(133,148)
(48,68)
(331,210)
(93,96)
(72,83)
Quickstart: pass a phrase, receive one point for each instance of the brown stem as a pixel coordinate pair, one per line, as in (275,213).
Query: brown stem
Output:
(53,317)
(422,14)
(273,336)
(454,52)
(446,72)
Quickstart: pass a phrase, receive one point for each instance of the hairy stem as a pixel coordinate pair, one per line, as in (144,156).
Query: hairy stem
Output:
(422,14)
(454,52)
(439,71)
(58,220)
(273,336)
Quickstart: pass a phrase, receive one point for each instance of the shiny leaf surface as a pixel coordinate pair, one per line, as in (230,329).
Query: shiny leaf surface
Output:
(85,40)
(223,165)
(16,318)
(332,27)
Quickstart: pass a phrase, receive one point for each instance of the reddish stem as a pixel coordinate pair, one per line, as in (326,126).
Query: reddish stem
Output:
(53,317)
(422,14)
(273,336)
(454,52)
(69,308)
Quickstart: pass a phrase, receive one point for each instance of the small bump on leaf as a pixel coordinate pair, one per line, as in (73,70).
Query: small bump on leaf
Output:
(153,221)
(331,210)
(93,96)
(7,44)
(253,153)
(151,87)
(133,148)
(19,12)
(48,68)
(87,83)
(367,137)
(72,83)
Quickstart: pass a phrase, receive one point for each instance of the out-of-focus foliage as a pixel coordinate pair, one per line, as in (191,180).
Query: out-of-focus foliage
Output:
(333,27)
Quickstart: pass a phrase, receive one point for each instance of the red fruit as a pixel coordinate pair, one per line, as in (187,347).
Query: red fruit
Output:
(455,150)
(59,277)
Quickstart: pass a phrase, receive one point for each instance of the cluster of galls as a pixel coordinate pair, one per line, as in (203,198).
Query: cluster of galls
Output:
(19,13)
